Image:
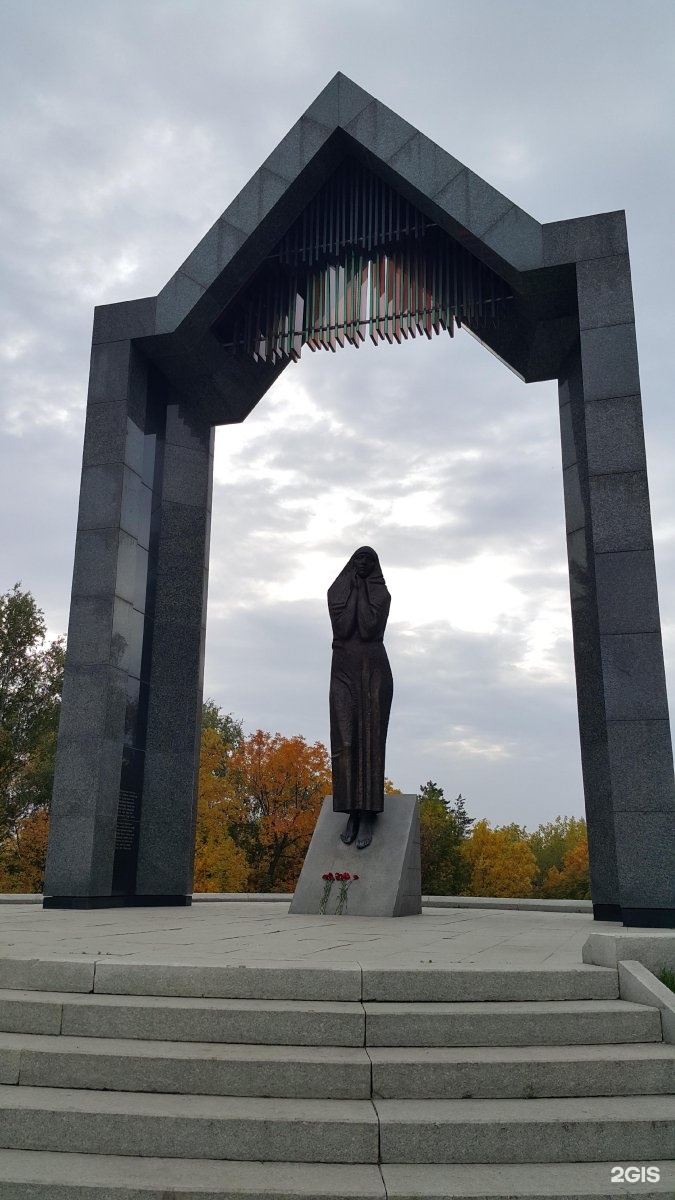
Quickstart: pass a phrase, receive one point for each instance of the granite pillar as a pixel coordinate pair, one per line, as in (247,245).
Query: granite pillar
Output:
(623,711)
(127,762)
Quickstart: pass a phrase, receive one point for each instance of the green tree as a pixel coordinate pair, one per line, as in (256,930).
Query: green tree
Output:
(552,842)
(445,872)
(228,727)
(31,680)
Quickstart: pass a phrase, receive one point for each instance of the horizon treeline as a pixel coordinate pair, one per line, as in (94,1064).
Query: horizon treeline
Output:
(259,797)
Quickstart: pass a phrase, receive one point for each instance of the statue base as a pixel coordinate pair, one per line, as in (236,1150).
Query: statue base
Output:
(389,880)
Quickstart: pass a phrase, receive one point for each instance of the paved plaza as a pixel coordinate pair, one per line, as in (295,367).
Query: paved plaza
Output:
(223,933)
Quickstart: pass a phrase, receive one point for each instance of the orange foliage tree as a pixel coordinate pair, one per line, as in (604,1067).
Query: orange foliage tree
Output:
(220,864)
(278,785)
(23,853)
(500,864)
(572,882)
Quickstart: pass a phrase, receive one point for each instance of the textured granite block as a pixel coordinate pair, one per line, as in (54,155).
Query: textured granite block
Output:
(176,301)
(183,428)
(602,855)
(634,677)
(620,512)
(597,782)
(626,591)
(388,869)
(180,565)
(96,562)
(581,584)
(100,497)
(517,238)
(109,372)
(255,200)
(424,164)
(166,845)
(568,443)
(129,319)
(105,435)
(471,202)
(93,702)
(126,644)
(641,756)
(124,580)
(297,148)
(610,362)
(575,512)
(213,253)
(339,102)
(380,130)
(614,435)
(644,851)
(90,630)
(585,237)
(604,292)
(84,817)
(187,476)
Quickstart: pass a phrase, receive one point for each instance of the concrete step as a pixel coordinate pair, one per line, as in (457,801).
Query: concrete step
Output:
(28,1175)
(523,1072)
(556,1023)
(170,1126)
(450,985)
(347,981)
(193,1068)
(537,1181)
(597,1129)
(168,1018)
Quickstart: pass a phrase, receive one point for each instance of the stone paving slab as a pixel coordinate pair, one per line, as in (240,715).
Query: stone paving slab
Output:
(264,932)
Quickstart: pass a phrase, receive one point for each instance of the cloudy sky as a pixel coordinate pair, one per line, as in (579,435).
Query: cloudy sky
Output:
(128,126)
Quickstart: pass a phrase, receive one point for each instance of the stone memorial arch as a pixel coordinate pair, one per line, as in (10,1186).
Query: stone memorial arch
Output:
(356,226)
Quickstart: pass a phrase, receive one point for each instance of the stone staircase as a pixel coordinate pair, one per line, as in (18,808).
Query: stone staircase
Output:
(455,1083)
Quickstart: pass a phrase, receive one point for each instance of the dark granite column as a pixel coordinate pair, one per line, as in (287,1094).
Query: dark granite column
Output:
(106,629)
(623,711)
(122,822)
(181,526)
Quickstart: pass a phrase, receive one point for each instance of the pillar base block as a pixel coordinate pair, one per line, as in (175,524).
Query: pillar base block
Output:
(116,901)
(649,918)
(606,912)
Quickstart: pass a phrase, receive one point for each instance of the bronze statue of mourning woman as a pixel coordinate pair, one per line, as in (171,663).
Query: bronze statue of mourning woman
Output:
(361,689)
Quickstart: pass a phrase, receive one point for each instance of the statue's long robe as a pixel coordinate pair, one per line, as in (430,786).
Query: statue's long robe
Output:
(361,689)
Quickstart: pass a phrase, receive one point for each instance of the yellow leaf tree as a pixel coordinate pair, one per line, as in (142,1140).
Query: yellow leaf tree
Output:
(23,853)
(500,865)
(220,864)
(573,881)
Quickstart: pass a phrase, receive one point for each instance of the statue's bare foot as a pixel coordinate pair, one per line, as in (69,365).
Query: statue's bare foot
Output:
(351,829)
(365,832)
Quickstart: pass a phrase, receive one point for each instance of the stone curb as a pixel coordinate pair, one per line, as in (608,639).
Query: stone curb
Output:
(638,984)
(499,902)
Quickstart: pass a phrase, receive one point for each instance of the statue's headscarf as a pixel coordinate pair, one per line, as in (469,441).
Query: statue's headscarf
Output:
(376,588)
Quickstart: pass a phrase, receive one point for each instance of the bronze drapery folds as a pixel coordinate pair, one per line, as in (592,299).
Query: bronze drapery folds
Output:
(360,261)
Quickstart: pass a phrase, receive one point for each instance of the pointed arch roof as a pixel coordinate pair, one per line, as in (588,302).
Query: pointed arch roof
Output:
(344,120)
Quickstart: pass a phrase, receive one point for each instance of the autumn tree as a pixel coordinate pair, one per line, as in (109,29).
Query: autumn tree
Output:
(278,783)
(500,864)
(220,864)
(31,679)
(552,841)
(23,853)
(572,881)
(445,872)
